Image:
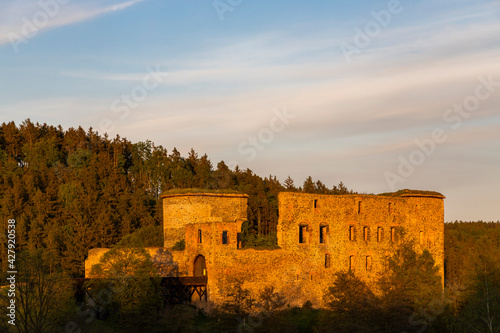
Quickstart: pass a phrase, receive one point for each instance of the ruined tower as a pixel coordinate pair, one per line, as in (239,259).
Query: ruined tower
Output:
(183,209)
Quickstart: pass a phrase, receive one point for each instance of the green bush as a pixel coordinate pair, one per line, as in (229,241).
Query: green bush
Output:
(179,246)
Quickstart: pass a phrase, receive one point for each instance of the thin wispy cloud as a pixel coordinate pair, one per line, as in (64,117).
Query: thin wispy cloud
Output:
(222,81)
(19,16)
(121,77)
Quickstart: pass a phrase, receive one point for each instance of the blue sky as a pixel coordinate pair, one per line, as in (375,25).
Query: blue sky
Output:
(381,95)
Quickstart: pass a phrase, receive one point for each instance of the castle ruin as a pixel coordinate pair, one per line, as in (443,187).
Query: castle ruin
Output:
(318,235)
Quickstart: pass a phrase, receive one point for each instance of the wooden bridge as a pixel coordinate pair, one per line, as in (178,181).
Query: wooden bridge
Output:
(174,290)
(178,290)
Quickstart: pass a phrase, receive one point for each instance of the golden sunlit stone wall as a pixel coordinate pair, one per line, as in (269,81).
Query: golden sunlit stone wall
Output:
(296,275)
(180,210)
(351,239)
(96,254)
(93,259)
(358,232)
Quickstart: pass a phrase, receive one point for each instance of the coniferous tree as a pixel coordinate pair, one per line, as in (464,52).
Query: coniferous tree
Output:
(74,190)
(289,185)
(353,303)
(308,186)
(411,283)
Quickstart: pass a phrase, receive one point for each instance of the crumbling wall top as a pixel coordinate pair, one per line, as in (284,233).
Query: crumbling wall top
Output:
(194,192)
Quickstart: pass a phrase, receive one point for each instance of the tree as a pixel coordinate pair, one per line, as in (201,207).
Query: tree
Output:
(411,285)
(147,236)
(43,299)
(308,186)
(353,304)
(289,185)
(468,246)
(320,188)
(192,163)
(270,300)
(349,294)
(123,275)
(479,310)
(74,190)
(164,263)
(223,176)
(203,172)
(238,299)
(341,189)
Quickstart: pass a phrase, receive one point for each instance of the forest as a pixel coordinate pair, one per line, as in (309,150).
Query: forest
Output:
(73,190)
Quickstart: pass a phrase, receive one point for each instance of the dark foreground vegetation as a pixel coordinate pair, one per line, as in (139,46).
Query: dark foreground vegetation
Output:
(73,190)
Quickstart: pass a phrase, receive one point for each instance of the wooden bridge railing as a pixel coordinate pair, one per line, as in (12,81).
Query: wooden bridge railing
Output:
(174,290)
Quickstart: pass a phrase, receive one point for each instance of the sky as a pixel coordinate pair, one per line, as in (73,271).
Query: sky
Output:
(381,95)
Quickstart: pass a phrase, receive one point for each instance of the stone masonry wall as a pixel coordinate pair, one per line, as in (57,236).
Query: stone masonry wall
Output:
(180,210)
(339,232)
(357,229)
(304,271)
(96,254)
(294,274)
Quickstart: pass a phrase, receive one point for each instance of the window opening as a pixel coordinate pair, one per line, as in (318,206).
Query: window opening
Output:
(352,233)
(302,234)
(368,263)
(379,234)
(322,234)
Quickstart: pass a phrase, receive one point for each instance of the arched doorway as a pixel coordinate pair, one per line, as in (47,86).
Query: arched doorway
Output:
(200,267)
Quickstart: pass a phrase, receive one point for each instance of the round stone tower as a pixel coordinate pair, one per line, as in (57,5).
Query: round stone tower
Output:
(181,209)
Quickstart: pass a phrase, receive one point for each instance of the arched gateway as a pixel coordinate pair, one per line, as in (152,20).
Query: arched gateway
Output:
(200,267)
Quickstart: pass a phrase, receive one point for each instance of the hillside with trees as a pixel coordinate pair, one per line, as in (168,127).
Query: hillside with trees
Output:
(74,190)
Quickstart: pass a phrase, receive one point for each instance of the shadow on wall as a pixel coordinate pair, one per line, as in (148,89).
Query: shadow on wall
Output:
(164,263)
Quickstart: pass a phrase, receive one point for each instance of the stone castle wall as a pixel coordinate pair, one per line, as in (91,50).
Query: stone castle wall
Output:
(318,235)
(179,210)
(96,254)
(359,231)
